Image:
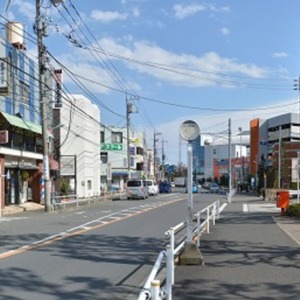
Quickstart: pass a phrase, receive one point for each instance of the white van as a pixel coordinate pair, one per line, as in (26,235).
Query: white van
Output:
(152,187)
(137,188)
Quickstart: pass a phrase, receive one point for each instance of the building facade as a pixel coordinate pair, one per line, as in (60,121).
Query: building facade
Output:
(77,143)
(114,156)
(21,145)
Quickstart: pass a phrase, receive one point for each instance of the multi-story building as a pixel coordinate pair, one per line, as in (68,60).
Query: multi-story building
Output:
(77,143)
(217,160)
(275,142)
(114,156)
(21,145)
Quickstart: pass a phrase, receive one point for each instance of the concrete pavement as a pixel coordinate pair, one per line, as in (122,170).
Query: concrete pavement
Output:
(252,253)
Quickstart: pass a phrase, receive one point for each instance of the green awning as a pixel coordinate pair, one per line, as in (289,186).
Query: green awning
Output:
(21,123)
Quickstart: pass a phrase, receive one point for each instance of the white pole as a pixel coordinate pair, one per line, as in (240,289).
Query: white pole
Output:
(298,173)
(155,289)
(190,195)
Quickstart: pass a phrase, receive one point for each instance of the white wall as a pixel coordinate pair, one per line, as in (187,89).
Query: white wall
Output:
(81,133)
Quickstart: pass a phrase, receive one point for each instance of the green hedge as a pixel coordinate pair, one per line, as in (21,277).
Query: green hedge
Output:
(293,210)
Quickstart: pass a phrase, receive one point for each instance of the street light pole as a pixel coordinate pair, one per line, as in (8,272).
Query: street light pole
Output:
(43,104)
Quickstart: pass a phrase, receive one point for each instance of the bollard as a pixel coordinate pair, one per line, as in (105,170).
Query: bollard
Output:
(155,290)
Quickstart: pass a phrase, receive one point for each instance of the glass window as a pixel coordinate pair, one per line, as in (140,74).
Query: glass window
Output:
(24,92)
(102,137)
(117,137)
(104,157)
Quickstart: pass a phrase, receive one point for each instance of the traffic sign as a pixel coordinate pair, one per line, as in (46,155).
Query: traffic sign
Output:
(189,130)
(112,147)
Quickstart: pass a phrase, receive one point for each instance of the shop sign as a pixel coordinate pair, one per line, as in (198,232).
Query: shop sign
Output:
(3,77)
(112,147)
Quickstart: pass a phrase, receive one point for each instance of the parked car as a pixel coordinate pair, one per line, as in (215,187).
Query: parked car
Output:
(152,187)
(137,188)
(165,187)
(195,188)
(214,188)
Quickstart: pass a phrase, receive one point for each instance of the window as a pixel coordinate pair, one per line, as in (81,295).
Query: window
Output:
(103,157)
(102,137)
(24,92)
(89,185)
(117,137)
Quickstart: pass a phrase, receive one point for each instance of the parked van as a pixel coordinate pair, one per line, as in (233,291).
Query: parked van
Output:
(137,188)
(152,187)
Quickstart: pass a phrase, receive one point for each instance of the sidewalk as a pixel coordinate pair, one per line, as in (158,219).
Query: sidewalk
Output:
(250,254)
(27,206)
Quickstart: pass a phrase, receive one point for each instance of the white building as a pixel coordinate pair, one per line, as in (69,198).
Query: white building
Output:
(114,157)
(78,145)
(220,152)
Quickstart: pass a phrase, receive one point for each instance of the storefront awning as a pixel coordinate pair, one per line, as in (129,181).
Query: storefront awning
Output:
(21,123)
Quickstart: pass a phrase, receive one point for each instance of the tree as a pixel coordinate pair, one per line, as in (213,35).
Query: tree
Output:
(180,170)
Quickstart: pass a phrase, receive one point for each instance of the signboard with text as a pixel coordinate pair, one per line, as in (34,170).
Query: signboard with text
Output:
(111,147)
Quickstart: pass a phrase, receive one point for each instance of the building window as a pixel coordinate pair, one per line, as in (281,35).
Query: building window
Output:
(104,157)
(102,137)
(139,151)
(89,185)
(117,137)
(24,92)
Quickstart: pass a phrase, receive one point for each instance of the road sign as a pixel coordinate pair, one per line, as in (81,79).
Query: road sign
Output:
(189,130)
(112,147)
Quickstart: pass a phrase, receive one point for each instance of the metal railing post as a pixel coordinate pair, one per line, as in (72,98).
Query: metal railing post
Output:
(155,290)
(198,229)
(207,220)
(170,272)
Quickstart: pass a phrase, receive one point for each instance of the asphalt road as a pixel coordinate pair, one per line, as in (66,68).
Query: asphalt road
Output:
(100,252)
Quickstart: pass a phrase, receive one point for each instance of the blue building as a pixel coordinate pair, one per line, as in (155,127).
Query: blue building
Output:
(198,158)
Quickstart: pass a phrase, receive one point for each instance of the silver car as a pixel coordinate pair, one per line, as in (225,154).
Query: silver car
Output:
(137,188)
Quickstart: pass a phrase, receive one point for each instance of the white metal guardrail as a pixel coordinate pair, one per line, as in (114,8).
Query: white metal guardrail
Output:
(152,289)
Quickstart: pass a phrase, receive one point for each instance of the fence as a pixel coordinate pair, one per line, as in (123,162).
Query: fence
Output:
(62,202)
(152,289)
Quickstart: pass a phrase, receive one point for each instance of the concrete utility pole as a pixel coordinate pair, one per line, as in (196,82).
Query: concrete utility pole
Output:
(155,153)
(229,156)
(128,112)
(43,105)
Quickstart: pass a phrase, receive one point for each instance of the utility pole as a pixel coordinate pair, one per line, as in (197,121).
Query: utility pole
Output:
(128,112)
(43,105)
(155,153)
(163,157)
(229,154)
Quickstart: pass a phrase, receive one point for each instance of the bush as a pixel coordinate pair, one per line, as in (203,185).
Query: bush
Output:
(293,210)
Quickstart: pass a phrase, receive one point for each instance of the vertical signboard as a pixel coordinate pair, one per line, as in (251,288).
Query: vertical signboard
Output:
(58,88)
(3,77)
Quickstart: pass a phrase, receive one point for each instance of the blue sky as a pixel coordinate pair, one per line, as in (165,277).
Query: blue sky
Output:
(202,60)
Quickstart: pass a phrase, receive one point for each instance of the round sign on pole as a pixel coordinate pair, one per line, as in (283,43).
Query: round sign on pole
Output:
(189,130)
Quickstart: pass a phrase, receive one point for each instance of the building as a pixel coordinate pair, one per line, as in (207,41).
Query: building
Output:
(275,144)
(21,145)
(114,156)
(77,144)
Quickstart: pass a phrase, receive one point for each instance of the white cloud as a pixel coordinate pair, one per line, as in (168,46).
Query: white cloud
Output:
(136,12)
(182,12)
(25,8)
(107,16)
(208,64)
(207,123)
(224,31)
(280,54)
